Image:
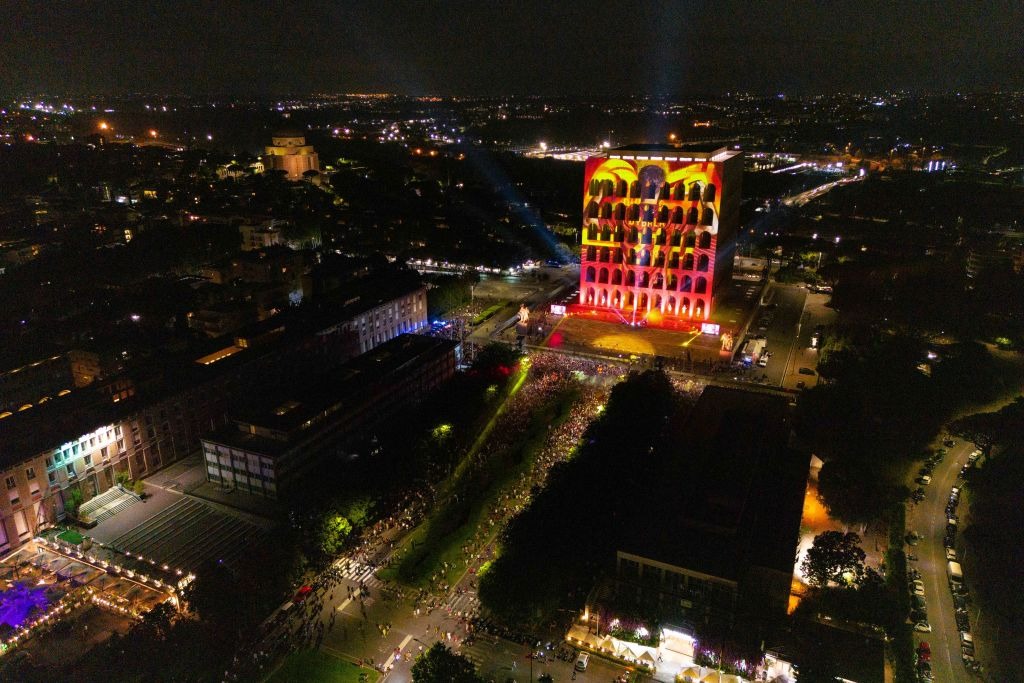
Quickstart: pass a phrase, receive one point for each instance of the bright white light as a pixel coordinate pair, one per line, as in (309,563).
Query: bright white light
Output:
(544,146)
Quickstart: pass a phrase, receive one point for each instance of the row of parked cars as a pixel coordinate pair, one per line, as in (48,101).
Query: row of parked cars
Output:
(955,572)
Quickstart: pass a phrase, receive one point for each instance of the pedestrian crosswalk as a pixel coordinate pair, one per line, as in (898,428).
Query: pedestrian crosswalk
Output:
(464,602)
(478,653)
(357,572)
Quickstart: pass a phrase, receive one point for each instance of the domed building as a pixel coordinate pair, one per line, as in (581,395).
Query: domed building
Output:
(289,152)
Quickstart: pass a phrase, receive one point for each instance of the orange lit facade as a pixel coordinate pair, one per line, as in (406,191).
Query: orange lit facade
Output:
(659,224)
(291,154)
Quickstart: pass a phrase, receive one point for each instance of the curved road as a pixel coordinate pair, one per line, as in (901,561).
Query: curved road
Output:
(928,518)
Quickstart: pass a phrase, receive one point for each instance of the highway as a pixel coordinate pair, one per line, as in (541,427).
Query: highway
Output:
(928,518)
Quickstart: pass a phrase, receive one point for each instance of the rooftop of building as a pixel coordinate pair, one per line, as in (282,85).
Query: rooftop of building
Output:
(732,491)
(305,401)
(26,434)
(684,152)
(855,656)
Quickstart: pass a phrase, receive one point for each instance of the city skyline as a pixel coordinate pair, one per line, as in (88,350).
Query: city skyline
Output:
(464,49)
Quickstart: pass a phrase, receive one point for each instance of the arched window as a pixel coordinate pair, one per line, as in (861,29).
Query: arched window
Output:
(620,188)
(709,193)
(604,255)
(663,215)
(606,211)
(703,262)
(617,299)
(591,232)
(677,237)
(650,190)
(591,253)
(694,192)
(708,217)
(659,260)
(606,233)
(691,216)
(687,285)
(702,286)
(603,298)
(591,274)
(616,277)
(691,241)
(620,212)
(602,277)
(632,257)
(644,301)
(659,281)
(679,192)
(648,213)
(672,305)
(657,302)
(634,236)
(673,260)
(645,279)
(673,282)
(677,215)
(645,238)
(595,186)
(634,189)
(663,191)
(630,278)
(644,257)
(592,209)
(698,309)
(705,240)
(630,300)
(688,262)
(659,238)
(633,213)
(590,296)
(619,234)
(684,307)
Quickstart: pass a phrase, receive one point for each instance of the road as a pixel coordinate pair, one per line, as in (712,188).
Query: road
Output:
(928,518)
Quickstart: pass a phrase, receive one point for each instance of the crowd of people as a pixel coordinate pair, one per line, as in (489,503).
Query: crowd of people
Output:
(551,375)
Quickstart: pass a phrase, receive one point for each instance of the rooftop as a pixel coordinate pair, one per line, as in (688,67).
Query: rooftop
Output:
(658,152)
(732,491)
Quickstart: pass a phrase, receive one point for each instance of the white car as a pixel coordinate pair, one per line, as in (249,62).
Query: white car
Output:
(923,627)
(950,554)
(918,586)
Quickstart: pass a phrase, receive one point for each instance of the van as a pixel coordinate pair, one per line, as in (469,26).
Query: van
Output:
(955,571)
(582,661)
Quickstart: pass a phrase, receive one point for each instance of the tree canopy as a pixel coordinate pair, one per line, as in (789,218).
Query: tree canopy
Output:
(835,557)
(440,665)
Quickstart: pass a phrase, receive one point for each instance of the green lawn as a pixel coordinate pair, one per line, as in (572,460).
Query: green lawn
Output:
(71,536)
(311,666)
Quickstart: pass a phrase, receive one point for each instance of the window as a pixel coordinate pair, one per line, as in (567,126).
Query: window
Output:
(30,473)
(103,453)
(34,489)
(71,470)
(15,498)
(11,483)
(52,477)
(88,460)
(49,462)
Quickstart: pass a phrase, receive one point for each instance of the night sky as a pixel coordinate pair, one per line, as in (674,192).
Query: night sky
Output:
(546,47)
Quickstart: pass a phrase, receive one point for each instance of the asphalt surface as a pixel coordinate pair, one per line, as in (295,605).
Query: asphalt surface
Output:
(928,518)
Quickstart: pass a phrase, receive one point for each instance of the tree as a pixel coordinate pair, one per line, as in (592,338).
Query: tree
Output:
(440,665)
(215,595)
(835,557)
(334,529)
(986,430)
(73,501)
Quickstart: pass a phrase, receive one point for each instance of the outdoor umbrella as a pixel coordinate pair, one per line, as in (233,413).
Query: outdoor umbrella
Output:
(691,672)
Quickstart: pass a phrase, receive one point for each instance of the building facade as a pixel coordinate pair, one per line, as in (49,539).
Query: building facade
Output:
(290,153)
(658,228)
(268,446)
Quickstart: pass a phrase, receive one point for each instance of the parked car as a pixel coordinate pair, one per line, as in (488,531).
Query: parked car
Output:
(923,627)
(582,661)
(924,481)
(917,587)
(950,554)
(302,594)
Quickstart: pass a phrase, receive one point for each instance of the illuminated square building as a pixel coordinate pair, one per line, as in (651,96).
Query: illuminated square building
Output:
(659,224)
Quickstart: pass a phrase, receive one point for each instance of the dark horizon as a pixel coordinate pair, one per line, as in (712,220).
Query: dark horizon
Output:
(675,50)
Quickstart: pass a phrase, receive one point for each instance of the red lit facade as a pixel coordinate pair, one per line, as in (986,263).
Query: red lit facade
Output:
(658,227)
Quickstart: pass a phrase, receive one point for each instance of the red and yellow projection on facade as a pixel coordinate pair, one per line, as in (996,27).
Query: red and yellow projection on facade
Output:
(653,225)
